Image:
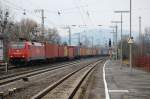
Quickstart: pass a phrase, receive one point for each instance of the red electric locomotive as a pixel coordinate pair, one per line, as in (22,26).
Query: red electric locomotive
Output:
(26,51)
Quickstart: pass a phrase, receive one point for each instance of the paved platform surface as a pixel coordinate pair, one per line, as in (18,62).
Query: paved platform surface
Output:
(122,84)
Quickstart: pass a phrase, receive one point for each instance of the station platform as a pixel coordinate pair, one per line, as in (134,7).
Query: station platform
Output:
(124,84)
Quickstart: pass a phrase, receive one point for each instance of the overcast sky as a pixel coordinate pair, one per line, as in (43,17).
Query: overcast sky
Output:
(81,12)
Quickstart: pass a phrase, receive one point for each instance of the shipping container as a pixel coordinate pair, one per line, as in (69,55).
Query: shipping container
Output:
(87,51)
(65,51)
(70,52)
(51,50)
(36,50)
(61,51)
(90,51)
(76,51)
(83,51)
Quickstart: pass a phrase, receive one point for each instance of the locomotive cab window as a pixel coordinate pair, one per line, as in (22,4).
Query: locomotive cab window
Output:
(17,45)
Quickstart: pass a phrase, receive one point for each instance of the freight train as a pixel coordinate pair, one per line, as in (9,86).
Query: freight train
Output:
(27,51)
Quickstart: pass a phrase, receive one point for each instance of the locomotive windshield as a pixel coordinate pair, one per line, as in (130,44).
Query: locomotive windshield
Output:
(17,45)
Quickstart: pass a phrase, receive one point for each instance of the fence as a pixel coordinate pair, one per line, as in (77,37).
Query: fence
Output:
(142,62)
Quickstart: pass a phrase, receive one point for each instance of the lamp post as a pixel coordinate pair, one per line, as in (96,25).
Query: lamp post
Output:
(116,32)
(130,44)
(113,32)
(121,12)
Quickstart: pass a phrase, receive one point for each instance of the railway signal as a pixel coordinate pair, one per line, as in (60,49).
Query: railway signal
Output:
(110,43)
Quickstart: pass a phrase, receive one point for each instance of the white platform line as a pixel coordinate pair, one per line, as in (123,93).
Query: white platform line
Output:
(105,83)
(119,91)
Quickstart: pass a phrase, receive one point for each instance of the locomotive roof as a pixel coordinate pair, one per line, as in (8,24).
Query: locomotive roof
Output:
(30,43)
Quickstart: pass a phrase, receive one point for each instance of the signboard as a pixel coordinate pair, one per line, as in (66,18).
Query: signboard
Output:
(1,50)
(130,40)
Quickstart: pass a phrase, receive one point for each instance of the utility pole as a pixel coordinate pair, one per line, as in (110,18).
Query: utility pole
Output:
(20,27)
(113,32)
(116,35)
(140,35)
(4,36)
(130,45)
(116,42)
(121,42)
(42,20)
(115,38)
(79,39)
(140,28)
(68,27)
(92,38)
(92,42)
(121,54)
(113,44)
(42,13)
(69,35)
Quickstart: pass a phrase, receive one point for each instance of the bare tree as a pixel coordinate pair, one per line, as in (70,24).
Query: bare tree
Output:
(26,27)
(4,26)
(53,36)
(146,41)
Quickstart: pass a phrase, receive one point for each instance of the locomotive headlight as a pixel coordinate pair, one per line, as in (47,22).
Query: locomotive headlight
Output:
(23,56)
(11,56)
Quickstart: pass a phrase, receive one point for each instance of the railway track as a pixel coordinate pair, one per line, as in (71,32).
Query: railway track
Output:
(38,64)
(2,68)
(22,70)
(13,70)
(26,74)
(67,86)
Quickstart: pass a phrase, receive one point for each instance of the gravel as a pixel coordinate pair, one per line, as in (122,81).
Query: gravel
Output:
(25,90)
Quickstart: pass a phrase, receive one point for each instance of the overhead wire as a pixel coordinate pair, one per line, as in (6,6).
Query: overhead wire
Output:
(18,8)
(89,13)
(50,12)
(67,10)
(82,17)
(89,16)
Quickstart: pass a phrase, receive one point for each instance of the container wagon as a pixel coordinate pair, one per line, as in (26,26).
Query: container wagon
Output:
(51,51)
(71,51)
